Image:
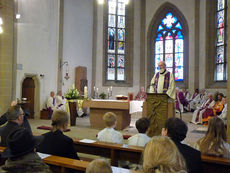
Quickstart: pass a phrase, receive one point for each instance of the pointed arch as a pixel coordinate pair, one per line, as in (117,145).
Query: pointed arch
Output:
(160,14)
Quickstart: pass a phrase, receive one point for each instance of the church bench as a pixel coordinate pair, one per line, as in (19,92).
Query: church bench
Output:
(134,154)
(215,164)
(64,165)
(110,150)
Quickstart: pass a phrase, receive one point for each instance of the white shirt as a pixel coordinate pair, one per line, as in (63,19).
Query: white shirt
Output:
(140,139)
(60,103)
(50,104)
(110,135)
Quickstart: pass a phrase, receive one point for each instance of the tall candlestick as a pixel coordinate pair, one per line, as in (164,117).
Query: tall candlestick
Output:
(94,88)
(96,93)
(85,92)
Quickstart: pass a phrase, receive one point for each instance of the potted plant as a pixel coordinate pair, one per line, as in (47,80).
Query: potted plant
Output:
(71,95)
(102,95)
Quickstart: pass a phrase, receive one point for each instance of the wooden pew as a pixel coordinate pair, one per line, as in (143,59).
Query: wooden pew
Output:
(134,154)
(215,164)
(110,150)
(64,165)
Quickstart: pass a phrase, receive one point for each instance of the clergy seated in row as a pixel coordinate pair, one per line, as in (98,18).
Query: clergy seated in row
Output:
(51,102)
(215,110)
(186,93)
(61,101)
(108,134)
(182,103)
(55,142)
(141,95)
(197,114)
(55,103)
(198,100)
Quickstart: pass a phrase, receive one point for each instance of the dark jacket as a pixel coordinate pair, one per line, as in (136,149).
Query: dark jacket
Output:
(28,163)
(58,144)
(192,157)
(6,130)
(25,124)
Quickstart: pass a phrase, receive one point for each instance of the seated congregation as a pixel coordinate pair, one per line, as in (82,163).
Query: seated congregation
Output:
(203,105)
(170,153)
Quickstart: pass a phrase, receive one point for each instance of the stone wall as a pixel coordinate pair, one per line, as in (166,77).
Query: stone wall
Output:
(6,54)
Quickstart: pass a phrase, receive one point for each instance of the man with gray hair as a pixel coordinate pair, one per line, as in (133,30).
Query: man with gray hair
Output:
(163,82)
(15,117)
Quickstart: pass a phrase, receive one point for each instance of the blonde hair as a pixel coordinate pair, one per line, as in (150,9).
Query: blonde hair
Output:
(59,119)
(162,156)
(109,118)
(99,166)
(213,142)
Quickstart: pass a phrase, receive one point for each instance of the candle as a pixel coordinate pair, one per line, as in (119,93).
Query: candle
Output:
(85,92)
(94,88)
(111,88)
(97,89)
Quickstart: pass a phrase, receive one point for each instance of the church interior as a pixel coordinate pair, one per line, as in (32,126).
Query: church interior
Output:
(109,50)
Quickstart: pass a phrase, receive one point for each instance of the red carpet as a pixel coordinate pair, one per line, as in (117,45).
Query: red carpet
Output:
(49,128)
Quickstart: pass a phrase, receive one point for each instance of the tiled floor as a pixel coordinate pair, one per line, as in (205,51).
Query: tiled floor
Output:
(83,130)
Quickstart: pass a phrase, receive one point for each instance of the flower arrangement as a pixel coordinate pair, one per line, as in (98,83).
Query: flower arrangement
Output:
(72,93)
(102,95)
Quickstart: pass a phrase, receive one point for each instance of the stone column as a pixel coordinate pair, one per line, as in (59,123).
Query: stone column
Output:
(6,54)
(228,73)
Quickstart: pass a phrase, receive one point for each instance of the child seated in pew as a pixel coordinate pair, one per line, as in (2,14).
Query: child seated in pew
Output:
(215,141)
(108,134)
(141,138)
(99,166)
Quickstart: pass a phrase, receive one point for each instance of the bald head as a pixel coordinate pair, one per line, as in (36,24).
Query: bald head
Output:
(162,65)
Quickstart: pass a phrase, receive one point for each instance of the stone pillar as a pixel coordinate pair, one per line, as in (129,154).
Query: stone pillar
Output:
(60,47)
(6,54)
(228,73)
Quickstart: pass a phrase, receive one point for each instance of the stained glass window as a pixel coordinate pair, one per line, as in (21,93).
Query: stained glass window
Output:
(169,46)
(116,40)
(221,46)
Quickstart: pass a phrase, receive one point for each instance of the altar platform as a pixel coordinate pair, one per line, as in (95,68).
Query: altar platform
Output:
(123,110)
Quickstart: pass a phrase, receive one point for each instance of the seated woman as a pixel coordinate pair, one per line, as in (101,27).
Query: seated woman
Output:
(215,141)
(162,155)
(215,110)
(55,142)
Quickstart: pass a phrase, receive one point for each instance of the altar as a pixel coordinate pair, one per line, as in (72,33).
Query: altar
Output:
(99,107)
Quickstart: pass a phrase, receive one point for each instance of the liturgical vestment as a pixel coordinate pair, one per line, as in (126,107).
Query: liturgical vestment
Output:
(163,83)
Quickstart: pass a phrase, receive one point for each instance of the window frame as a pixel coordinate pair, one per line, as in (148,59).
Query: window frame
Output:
(152,29)
(164,45)
(129,25)
(225,41)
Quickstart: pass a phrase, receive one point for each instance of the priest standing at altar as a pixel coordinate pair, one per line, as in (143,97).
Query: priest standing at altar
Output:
(163,82)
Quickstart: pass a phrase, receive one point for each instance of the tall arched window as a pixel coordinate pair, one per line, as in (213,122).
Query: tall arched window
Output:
(221,41)
(169,45)
(116,41)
